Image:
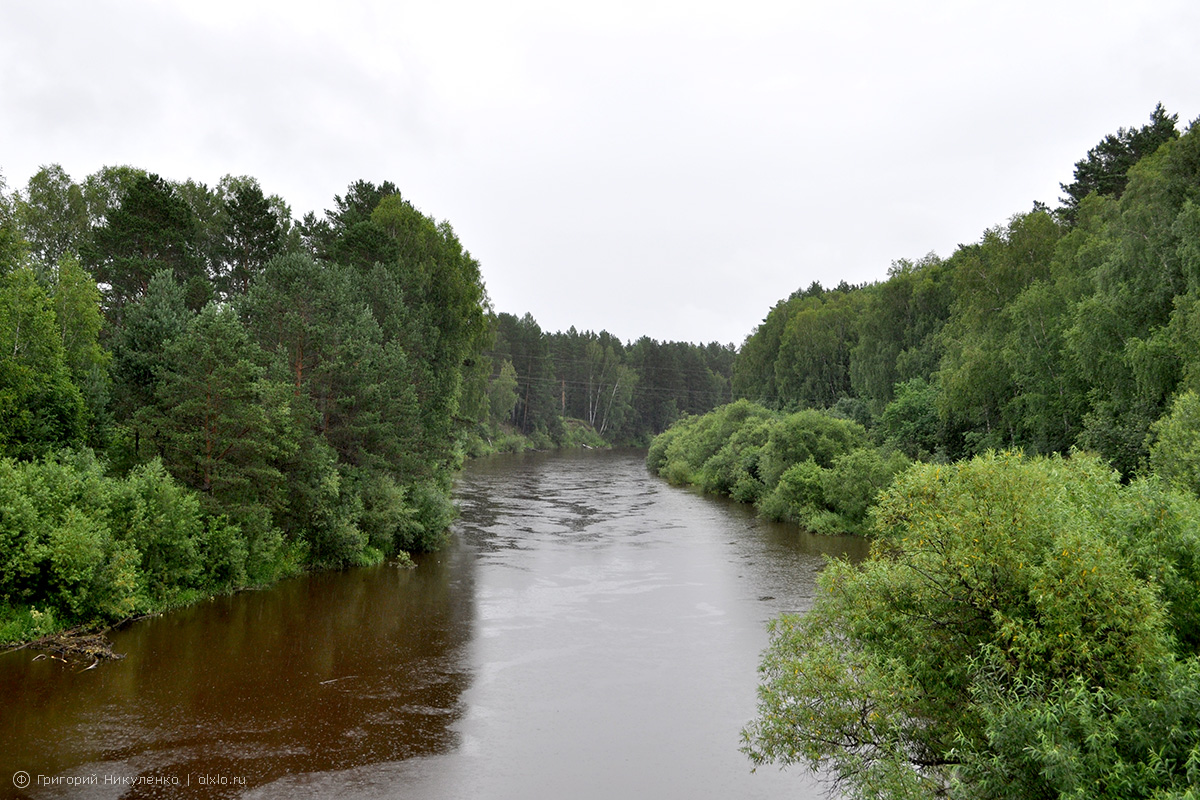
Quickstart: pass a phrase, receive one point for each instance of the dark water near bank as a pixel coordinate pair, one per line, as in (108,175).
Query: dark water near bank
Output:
(590,633)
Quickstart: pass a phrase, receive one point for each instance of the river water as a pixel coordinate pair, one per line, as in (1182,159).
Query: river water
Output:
(590,632)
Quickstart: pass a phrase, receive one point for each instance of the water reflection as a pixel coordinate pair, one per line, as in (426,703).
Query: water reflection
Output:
(325,672)
(591,632)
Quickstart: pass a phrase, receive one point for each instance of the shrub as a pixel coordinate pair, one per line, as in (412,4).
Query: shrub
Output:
(808,435)
(1012,635)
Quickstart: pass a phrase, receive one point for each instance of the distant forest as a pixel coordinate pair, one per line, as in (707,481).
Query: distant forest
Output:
(199,393)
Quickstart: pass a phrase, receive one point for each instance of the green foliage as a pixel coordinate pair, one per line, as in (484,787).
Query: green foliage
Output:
(854,481)
(1070,739)
(1104,170)
(252,233)
(733,470)
(808,467)
(151,229)
(898,334)
(1009,609)
(798,496)
(1175,454)
(502,391)
(218,423)
(833,499)
(910,422)
(53,214)
(1053,331)
(87,547)
(806,435)
(812,368)
(139,347)
(40,408)
(76,300)
(700,438)
(310,418)
(14,249)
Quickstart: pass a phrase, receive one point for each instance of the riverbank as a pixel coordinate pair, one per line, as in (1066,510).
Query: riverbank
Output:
(486,439)
(83,549)
(809,467)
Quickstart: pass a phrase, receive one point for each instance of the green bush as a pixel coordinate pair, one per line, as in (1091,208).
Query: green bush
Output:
(855,480)
(1023,628)
(57,544)
(223,552)
(734,469)
(681,453)
(162,520)
(798,495)
(433,511)
(805,435)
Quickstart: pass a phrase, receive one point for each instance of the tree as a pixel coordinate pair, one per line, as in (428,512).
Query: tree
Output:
(104,190)
(813,365)
(502,391)
(252,235)
(218,424)
(40,408)
(1105,168)
(1175,454)
(54,216)
(76,300)
(150,230)
(316,320)
(997,590)
(897,335)
(910,422)
(139,346)
(521,342)
(13,247)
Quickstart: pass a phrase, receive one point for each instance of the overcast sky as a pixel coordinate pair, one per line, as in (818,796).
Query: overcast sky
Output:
(671,169)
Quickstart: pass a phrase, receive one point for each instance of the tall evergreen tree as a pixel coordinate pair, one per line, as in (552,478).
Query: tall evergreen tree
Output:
(1105,169)
(150,230)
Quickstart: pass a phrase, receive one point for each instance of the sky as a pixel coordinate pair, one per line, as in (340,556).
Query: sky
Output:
(659,168)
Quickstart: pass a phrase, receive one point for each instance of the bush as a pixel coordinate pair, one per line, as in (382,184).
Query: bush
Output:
(162,520)
(1175,454)
(432,513)
(734,469)
(855,480)
(57,544)
(1013,634)
(695,440)
(808,435)
(798,495)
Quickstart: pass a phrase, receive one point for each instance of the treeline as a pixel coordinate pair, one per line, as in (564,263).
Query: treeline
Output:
(1018,428)
(197,393)
(1059,329)
(558,389)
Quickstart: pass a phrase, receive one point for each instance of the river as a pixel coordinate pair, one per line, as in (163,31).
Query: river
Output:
(590,632)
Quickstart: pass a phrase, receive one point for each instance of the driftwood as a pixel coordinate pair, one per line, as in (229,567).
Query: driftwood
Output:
(73,646)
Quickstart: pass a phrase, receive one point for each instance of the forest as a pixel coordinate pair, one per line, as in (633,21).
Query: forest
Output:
(1017,428)
(199,393)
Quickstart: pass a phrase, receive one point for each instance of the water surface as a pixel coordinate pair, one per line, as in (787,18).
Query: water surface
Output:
(591,632)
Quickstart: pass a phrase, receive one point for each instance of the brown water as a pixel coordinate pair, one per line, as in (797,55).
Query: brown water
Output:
(591,632)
